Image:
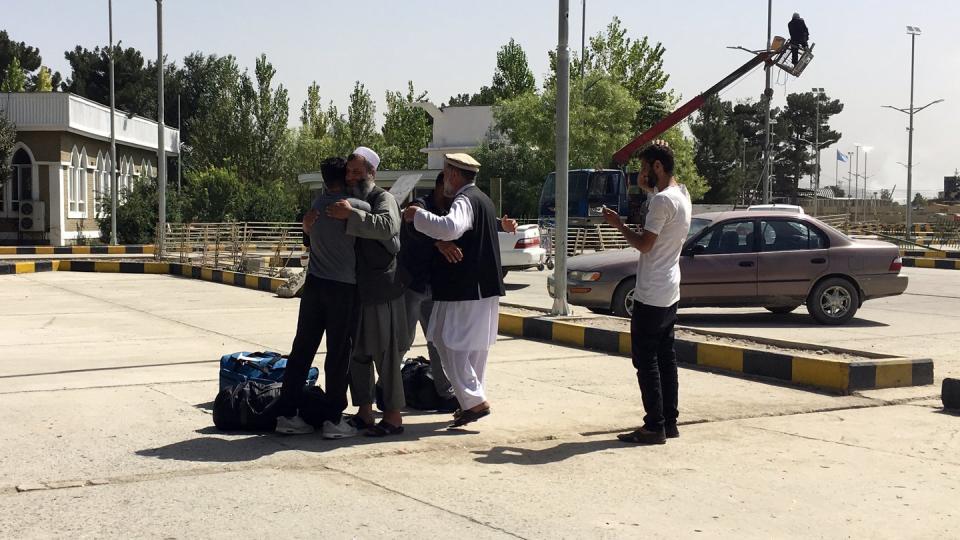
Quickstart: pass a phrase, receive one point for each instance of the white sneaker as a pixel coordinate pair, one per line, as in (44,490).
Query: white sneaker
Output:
(340,430)
(293,425)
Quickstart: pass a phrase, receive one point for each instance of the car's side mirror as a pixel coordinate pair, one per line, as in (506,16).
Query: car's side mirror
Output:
(696,249)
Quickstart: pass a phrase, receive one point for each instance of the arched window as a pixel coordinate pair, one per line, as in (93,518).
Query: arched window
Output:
(125,177)
(19,186)
(82,177)
(101,184)
(73,183)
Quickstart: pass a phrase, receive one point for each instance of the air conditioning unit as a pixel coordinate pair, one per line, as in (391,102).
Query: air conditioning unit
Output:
(32,216)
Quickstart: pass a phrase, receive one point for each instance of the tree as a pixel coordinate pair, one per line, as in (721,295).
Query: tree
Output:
(599,123)
(43,81)
(14,79)
(8,137)
(269,111)
(521,173)
(138,216)
(406,130)
(637,65)
(312,117)
(797,126)
(717,150)
(135,81)
(484,97)
(358,128)
(209,101)
(919,200)
(28,57)
(512,76)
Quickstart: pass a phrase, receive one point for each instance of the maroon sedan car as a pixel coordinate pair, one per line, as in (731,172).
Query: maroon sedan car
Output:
(771,259)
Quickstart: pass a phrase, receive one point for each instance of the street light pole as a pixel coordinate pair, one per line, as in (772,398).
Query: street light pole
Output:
(583,39)
(767,97)
(179,147)
(817,93)
(913,31)
(114,200)
(560,306)
(866,155)
(849,171)
(913,43)
(161,151)
(856,184)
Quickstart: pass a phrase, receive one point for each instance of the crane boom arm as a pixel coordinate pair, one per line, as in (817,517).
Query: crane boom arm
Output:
(623,155)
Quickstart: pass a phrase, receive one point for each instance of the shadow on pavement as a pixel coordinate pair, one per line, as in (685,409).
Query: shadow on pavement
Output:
(524,456)
(764,320)
(515,286)
(246,446)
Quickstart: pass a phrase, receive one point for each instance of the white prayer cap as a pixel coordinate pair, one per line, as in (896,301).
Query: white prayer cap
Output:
(372,158)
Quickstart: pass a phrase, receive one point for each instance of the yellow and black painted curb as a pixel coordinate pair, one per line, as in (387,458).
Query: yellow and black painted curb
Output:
(28,267)
(250,281)
(941,262)
(825,374)
(78,250)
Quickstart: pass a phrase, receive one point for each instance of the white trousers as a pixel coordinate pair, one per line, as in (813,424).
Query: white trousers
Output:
(466,371)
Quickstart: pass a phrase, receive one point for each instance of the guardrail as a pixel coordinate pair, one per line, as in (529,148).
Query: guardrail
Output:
(239,246)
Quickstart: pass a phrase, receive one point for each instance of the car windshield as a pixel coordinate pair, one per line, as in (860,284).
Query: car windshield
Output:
(697,225)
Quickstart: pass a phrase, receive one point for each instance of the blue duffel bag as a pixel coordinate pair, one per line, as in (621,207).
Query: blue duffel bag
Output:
(262,367)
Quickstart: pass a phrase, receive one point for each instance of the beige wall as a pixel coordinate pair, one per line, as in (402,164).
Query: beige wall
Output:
(55,147)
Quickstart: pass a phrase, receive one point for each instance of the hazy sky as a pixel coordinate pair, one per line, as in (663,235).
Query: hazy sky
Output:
(448,47)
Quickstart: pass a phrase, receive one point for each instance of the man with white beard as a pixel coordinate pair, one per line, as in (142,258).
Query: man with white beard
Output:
(382,337)
(467,293)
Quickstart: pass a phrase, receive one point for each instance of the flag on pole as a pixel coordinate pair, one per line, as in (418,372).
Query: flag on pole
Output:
(842,157)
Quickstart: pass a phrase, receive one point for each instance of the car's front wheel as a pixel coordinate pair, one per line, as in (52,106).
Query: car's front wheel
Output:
(622,303)
(833,301)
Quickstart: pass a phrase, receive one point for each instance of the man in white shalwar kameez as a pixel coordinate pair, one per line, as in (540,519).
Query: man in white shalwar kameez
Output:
(466,293)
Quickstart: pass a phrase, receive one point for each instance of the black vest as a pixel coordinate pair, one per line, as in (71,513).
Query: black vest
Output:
(377,278)
(478,274)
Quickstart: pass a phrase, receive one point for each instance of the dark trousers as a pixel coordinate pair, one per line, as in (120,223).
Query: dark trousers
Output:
(325,307)
(651,338)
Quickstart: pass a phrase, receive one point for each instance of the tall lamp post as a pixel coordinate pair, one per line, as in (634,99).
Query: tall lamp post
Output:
(560,306)
(856,183)
(866,154)
(913,32)
(767,97)
(113,137)
(817,94)
(161,151)
(849,172)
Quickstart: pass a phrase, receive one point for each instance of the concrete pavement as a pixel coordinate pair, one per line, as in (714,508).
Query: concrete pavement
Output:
(109,378)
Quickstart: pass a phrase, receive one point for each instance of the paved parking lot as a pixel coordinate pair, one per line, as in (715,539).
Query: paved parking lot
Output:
(108,380)
(922,322)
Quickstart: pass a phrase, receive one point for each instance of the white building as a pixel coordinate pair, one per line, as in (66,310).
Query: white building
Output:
(455,129)
(61,164)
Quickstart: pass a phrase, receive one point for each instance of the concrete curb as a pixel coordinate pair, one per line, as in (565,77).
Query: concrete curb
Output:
(929,262)
(929,254)
(78,250)
(28,267)
(249,281)
(821,373)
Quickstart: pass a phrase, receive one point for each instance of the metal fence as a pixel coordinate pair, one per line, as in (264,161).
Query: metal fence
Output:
(255,247)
